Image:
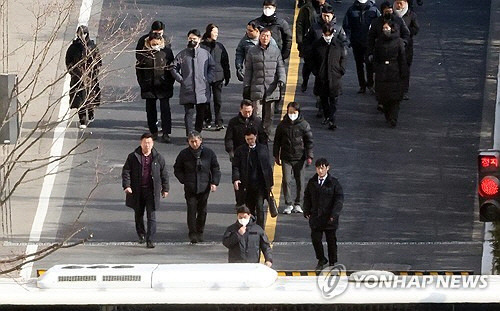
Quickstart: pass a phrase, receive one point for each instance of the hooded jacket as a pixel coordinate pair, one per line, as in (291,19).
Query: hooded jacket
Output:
(390,67)
(264,68)
(293,140)
(235,133)
(132,173)
(194,69)
(323,202)
(357,21)
(328,66)
(280,31)
(246,248)
(221,59)
(151,71)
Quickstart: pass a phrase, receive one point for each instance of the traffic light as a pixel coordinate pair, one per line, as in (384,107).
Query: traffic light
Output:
(489,185)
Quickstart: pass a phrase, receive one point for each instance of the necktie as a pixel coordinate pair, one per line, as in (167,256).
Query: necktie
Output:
(321,182)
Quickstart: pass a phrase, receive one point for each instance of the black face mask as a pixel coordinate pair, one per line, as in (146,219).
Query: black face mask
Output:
(192,44)
(387,16)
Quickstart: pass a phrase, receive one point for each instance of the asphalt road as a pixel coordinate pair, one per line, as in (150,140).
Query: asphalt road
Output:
(409,191)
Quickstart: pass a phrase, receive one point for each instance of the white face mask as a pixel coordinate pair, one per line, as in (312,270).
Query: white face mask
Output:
(293,116)
(269,11)
(243,221)
(362,1)
(328,39)
(156,47)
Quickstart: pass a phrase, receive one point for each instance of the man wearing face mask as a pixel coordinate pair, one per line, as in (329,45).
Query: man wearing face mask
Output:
(245,240)
(156,82)
(265,76)
(328,67)
(293,145)
(197,168)
(279,27)
(402,10)
(356,23)
(194,69)
(156,27)
(252,173)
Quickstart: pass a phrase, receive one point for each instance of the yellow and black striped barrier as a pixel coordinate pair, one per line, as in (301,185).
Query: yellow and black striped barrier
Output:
(349,272)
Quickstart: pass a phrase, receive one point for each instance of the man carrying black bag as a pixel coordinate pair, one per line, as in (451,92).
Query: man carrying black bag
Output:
(252,171)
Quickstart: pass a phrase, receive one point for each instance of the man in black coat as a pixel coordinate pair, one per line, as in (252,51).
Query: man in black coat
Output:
(235,135)
(401,9)
(196,167)
(279,27)
(328,66)
(252,172)
(293,145)
(144,180)
(156,82)
(245,240)
(83,62)
(323,201)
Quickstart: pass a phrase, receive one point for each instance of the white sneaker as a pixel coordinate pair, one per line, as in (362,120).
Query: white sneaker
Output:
(297,209)
(82,126)
(288,209)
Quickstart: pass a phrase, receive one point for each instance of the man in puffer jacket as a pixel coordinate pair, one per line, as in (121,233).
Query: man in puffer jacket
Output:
(293,145)
(265,76)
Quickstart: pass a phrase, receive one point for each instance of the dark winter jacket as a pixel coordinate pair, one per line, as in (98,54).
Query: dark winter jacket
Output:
(323,202)
(264,68)
(235,133)
(410,19)
(316,32)
(357,21)
(328,66)
(293,140)
(142,41)
(246,248)
(241,51)
(221,59)
(83,62)
(376,30)
(152,74)
(280,31)
(197,174)
(240,169)
(132,173)
(306,18)
(390,67)
(194,69)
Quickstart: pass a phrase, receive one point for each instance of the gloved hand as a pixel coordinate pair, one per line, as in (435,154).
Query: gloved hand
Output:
(226,82)
(240,74)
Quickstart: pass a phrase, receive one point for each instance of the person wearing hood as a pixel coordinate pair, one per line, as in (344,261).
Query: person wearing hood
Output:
(156,27)
(328,67)
(245,240)
(323,202)
(194,69)
(279,27)
(144,180)
(197,168)
(293,145)
(83,62)
(356,24)
(156,82)
(222,73)
(252,173)
(391,68)
(402,10)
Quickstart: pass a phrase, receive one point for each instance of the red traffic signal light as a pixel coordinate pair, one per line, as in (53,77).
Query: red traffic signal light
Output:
(489,186)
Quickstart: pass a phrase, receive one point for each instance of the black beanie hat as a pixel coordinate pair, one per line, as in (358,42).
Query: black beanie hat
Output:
(327,9)
(385,5)
(269,2)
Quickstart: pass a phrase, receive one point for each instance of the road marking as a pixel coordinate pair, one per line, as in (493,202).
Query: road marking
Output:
(291,86)
(52,168)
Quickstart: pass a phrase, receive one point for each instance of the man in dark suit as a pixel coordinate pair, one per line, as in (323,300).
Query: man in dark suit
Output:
(252,172)
(196,167)
(323,201)
(144,179)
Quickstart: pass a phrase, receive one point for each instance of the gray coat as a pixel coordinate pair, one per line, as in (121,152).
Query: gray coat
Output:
(264,68)
(194,69)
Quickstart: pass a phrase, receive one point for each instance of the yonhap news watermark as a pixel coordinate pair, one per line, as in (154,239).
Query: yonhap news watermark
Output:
(333,281)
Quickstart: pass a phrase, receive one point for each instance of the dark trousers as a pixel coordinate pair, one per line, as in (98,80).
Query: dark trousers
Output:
(189,110)
(146,203)
(359,57)
(391,109)
(217,97)
(85,113)
(295,169)
(239,196)
(306,72)
(152,115)
(254,200)
(409,61)
(331,241)
(329,105)
(196,212)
